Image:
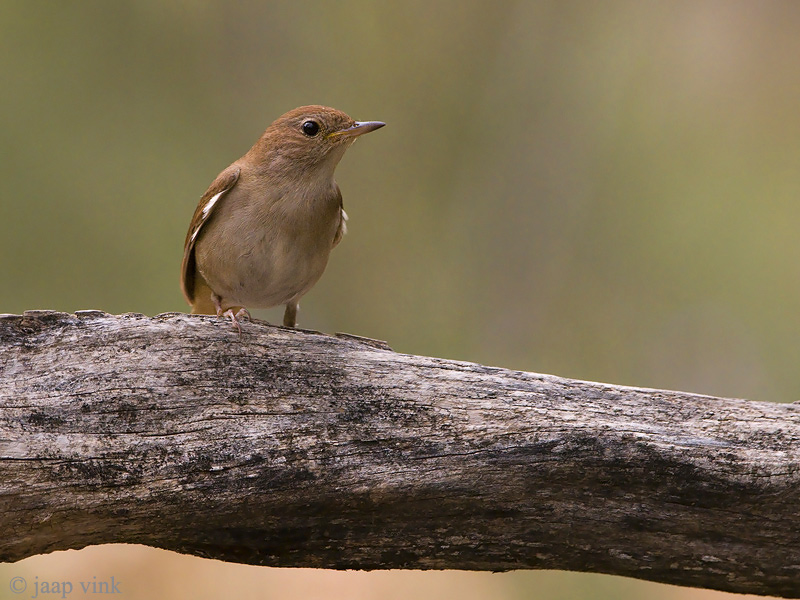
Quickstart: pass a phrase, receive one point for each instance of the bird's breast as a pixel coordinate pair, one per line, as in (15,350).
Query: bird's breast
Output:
(278,251)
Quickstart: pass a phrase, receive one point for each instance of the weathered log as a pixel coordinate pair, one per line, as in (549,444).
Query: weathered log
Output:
(294,448)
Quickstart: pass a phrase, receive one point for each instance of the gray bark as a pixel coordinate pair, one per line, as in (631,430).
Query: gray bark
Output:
(294,448)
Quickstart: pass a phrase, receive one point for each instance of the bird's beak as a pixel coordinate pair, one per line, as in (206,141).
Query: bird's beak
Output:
(359,128)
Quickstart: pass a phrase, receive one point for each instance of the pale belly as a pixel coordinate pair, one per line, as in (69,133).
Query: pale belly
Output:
(266,271)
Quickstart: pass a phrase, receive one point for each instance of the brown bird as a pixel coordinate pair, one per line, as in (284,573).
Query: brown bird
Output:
(262,233)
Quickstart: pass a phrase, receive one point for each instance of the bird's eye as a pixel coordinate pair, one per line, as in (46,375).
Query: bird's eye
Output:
(311,128)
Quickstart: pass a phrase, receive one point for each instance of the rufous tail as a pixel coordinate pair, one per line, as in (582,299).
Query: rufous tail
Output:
(202,303)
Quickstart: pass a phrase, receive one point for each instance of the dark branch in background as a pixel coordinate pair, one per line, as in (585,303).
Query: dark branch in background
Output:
(293,448)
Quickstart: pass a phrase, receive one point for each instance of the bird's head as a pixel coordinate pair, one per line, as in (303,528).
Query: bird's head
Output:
(311,138)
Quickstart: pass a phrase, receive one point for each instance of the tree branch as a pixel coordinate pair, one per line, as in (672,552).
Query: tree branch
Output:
(294,448)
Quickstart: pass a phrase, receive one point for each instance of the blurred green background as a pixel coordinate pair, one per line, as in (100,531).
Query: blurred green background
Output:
(600,190)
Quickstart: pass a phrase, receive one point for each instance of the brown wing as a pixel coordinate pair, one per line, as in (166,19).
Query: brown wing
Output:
(205,208)
(342,229)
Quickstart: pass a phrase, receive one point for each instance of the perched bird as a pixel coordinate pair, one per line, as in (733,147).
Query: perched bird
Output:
(262,233)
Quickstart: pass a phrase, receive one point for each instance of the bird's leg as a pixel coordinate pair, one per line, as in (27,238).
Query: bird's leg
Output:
(229,313)
(234,320)
(290,316)
(217,303)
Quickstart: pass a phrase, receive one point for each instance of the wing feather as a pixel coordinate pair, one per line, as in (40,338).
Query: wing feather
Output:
(205,208)
(342,229)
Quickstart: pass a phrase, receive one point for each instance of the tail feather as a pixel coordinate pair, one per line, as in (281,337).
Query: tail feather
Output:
(202,303)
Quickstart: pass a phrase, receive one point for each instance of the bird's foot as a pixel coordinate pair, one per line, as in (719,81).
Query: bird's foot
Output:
(242,312)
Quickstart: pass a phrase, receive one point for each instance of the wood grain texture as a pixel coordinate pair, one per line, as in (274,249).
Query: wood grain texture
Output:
(294,448)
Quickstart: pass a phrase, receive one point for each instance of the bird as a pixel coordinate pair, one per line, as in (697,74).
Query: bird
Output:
(262,233)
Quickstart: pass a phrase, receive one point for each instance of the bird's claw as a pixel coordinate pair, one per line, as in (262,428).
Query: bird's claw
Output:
(242,312)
